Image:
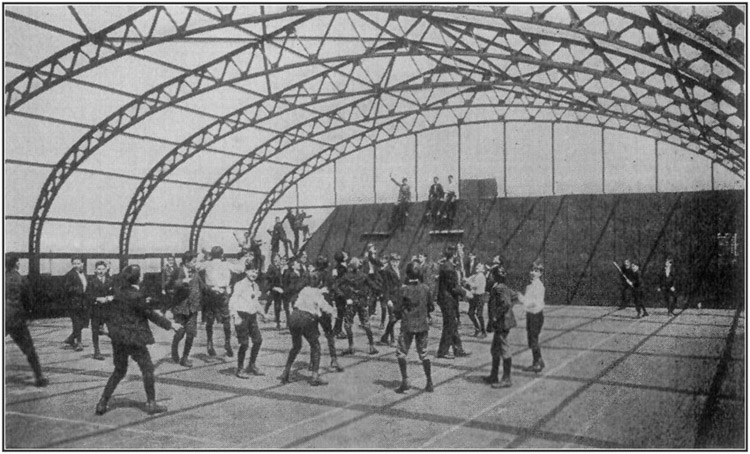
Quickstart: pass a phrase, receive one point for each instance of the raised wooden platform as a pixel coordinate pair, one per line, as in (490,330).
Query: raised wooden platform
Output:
(455,232)
(376,235)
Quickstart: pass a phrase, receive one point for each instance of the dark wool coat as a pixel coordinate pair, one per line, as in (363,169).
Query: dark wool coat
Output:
(502,298)
(128,319)
(414,307)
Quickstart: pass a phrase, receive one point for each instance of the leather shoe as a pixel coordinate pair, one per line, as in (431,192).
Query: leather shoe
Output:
(101,407)
(254,370)
(504,383)
(490,380)
(41,382)
(153,408)
(241,374)
(462,354)
(98,356)
(186,363)
(446,356)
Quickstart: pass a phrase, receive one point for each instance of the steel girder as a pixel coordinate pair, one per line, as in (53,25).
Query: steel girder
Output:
(567,112)
(221,128)
(469,29)
(203,212)
(139,31)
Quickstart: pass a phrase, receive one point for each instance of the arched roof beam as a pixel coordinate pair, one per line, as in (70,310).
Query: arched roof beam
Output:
(117,123)
(276,145)
(222,129)
(594,41)
(138,31)
(342,149)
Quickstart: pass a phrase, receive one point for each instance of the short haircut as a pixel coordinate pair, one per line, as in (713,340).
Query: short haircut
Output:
(413,272)
(538,266)
(249,265)
(76,257)
(99,263)
(131,274)
(188,256)
(354,263)
(449,251)
(217,252)
(497,274)
(316,279)
(10,262)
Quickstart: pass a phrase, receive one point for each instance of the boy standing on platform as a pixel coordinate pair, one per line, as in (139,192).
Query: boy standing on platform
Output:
(533,302)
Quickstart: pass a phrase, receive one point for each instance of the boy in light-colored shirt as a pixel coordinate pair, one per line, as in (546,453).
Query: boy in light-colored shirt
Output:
(244,307)
(533,302)
(218,274)
(477,284)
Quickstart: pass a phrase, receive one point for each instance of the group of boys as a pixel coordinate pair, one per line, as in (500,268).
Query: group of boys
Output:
(228,292)
(441,203)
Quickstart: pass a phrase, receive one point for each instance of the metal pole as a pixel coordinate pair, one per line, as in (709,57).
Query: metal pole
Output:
(656,165)
(604,187)
(712,175)
(458,180)
(505,159)
(374,173)
(416,167)
(335,177)
(552,155)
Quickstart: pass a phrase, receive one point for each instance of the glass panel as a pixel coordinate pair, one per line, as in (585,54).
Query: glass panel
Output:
(529,160)
(629,163)
(578,159)
(395,157)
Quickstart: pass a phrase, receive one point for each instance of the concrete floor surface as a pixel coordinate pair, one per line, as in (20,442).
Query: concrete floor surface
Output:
(612,381)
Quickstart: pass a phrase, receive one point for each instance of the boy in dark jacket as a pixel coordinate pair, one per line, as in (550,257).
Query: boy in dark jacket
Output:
(667,286)
(189,290)
(79,307)
(101,292)
(391,280)
(15,318)
(355,288)
(503,320)
(413,309)
(131,335)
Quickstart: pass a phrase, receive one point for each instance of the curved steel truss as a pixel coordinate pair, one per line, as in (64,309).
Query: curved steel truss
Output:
(675,74)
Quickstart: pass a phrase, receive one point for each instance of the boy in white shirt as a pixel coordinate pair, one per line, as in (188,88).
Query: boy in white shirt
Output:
(244,307)
(533,302)
(303,323)
(477,284)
